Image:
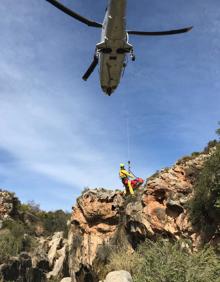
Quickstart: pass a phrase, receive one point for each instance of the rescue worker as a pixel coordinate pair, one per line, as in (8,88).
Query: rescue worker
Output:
(125,178)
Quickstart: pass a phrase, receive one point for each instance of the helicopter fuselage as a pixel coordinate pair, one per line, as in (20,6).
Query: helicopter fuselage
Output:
(111,52)
(114,46)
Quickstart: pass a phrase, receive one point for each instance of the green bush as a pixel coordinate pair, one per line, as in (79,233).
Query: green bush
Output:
(103,253)
(218,130)
(51,221)
(184,159)
(195,154)
(17,236)
(125,260)
(16,228)
(9,246)
(14,239)
(210,145)
(110,258)
(164,261)
(54,221)
(205,205)
(31,207)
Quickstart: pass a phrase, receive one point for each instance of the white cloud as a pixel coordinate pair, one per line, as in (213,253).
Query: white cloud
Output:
(47,137)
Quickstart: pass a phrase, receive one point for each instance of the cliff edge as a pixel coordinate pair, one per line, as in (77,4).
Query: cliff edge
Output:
(159,209)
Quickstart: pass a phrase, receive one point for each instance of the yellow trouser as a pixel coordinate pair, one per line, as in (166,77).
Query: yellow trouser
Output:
(129,186)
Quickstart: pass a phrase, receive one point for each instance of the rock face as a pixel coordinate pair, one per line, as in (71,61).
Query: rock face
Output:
(101,218)
(51,256)
(48,261)
(94,221)
(57,256)
(21,269)
(157,209)
(8,205)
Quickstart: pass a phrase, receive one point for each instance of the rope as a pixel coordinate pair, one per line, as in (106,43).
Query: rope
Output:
(128,143)
(128,139)
(127,131)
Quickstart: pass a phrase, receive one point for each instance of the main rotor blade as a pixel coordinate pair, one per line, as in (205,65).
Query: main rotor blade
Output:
(74,14)
(91,68)
(158,33)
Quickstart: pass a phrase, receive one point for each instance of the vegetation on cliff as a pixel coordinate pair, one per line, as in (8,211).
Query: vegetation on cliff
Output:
(167,261)
(150,235)
(14,240)
(205,204)
(19,234)
(50,222)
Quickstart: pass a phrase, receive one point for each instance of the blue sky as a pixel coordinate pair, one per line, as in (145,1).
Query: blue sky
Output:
(60,134)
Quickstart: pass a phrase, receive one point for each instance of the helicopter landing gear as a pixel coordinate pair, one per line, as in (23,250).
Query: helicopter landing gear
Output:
(92,66)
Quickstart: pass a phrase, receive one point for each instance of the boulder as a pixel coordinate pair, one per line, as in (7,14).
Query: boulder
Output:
(66,279)
(118,276)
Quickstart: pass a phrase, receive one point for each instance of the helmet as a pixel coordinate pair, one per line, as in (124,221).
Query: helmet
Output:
(122,165)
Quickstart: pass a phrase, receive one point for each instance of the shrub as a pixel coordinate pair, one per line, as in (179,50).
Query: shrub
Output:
(123,259)
(195,154)
(104,252)
(14,239)
(184,160)
(165,261)
(205,205)
(109,258)
(211,145)
(16,228)
(156,174)
(54,221)
(51,221)
(218,130)
(9,246)
(31,207)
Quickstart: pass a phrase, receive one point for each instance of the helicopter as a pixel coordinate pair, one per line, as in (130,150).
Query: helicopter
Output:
(111,53)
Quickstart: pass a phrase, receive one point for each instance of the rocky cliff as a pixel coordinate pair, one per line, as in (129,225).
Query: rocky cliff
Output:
(103,219)
(8,205)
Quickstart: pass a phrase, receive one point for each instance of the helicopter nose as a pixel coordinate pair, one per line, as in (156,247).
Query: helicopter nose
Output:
(108,90)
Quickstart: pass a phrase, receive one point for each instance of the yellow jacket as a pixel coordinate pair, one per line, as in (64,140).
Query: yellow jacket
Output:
(123,173)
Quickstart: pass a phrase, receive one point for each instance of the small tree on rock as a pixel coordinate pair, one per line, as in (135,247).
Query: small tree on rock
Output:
(218,130)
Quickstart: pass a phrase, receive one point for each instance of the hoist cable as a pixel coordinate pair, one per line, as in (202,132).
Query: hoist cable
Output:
(128,138)
(127,131)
